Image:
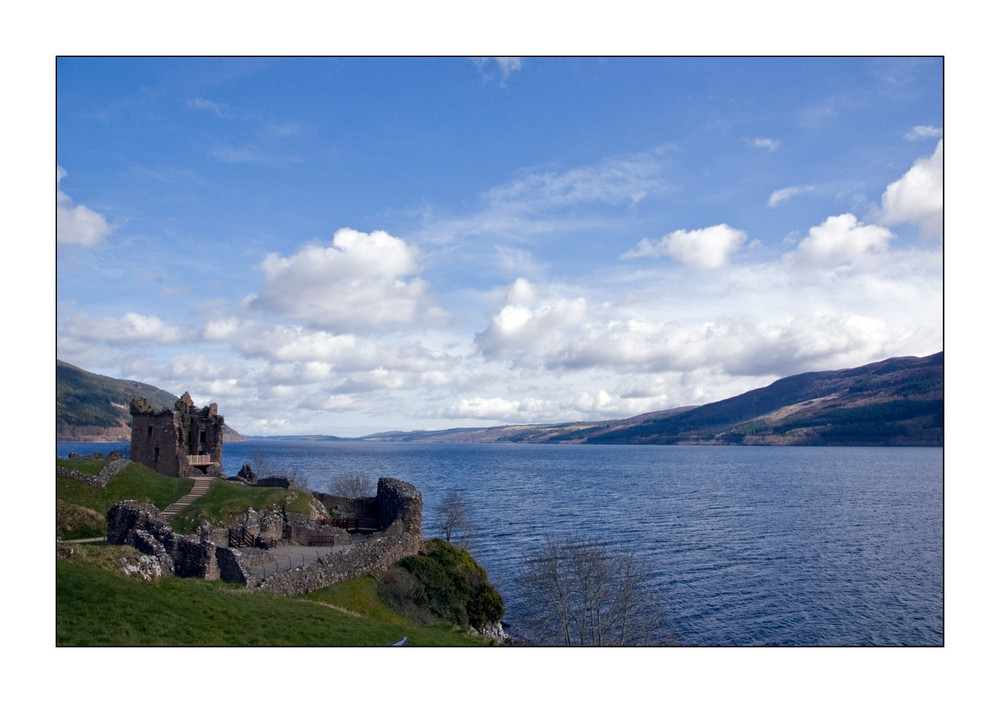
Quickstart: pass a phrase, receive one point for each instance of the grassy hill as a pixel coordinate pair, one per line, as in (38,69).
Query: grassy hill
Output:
(94,408)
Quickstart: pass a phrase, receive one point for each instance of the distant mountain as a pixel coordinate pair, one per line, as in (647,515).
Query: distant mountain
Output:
(94,408)
(896,402)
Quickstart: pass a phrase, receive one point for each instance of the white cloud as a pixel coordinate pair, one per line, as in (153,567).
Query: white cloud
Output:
(624,180)
(544,200)
(919,195)
(779,196)
(77,224)
(485,408)
(519,330)
(765,143)
(131,328)
(361,281)
(504,65)
(706,248)
(841,239)
(924,132)
(203,104)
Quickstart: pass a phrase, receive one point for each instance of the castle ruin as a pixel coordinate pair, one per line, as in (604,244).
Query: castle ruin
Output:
(182,442)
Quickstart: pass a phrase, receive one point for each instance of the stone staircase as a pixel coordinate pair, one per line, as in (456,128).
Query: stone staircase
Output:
(200,488)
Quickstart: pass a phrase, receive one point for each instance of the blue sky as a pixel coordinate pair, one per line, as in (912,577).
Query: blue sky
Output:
(345,246)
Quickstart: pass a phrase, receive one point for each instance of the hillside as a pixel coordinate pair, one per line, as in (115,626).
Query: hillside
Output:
(94,408)
(896,402)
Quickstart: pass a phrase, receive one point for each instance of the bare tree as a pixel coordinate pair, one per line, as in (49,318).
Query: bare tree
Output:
(455,514)
(578,592)
(266,467)
(352,484)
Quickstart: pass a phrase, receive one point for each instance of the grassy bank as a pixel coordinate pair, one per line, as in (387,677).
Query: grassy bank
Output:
(110,595)
(77,503)
(226,501)
(80,507)
(98,605)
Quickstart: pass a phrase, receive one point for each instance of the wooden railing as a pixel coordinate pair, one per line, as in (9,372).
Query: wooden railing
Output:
(199,459)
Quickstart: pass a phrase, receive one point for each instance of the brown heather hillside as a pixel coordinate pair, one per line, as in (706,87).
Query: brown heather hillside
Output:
(896,402)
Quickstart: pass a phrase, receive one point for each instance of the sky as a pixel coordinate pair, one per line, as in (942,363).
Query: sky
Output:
(353,245)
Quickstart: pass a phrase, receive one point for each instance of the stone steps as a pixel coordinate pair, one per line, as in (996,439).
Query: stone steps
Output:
(200,488)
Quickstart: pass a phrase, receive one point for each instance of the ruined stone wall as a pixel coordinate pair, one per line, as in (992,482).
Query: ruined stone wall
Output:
(339,506)
(400,506)
(140,525)
(400,511)
(301,530)
(378,553)
(100,480)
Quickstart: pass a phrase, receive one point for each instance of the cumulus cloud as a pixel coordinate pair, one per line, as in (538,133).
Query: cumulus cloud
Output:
(706,248)
(571,338)
(841,239)
(918,196)
(779,196)
(77,224)
(360,281)
(521,328)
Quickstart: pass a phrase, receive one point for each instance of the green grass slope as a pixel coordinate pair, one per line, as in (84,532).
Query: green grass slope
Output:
(77,502)
(98,605)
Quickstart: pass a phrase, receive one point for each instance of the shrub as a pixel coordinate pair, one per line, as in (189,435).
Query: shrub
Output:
(442,582)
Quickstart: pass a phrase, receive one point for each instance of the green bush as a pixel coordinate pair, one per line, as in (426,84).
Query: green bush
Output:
(442,582)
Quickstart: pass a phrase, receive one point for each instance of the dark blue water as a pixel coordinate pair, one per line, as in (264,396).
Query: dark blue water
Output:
(749,545)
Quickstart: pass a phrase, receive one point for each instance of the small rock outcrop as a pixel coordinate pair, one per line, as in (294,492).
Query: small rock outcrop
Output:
(248,475)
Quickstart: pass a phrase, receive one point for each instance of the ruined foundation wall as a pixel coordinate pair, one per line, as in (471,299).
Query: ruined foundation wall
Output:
(140,525)
(398,502)
(378,553)
(100,480)
(400,508)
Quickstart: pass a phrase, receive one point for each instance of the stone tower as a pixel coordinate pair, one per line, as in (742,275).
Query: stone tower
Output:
(184,441)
